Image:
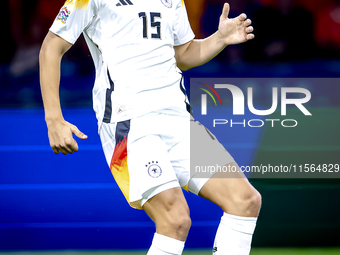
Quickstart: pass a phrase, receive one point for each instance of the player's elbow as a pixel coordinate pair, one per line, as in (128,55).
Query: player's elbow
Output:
(183,67)
(184,63)
(183,56)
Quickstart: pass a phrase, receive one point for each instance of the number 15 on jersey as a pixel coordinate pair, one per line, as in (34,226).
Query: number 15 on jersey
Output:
(155,25)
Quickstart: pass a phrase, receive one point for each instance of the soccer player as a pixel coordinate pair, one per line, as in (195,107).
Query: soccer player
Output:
(138,48)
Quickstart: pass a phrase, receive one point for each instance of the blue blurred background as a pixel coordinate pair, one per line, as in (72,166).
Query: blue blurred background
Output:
(72,202)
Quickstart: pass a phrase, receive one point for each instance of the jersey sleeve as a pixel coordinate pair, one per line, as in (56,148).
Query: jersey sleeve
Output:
(73,19)
(182,29)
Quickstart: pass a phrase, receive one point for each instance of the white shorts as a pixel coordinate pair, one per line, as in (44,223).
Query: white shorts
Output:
(151,154)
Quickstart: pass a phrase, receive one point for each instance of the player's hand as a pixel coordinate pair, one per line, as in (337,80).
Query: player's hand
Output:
(236,30)
(60,134)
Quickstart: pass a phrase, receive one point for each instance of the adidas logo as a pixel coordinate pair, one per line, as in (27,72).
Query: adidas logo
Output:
(124,2)
(121,109)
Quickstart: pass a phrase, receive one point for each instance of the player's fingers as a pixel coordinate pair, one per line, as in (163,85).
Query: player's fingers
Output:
(67,146)
(55,150)
(225,12)
(249,29)
(250,36)
(242,17)
(78,133)
(72,145)
(63,151)
(247,22)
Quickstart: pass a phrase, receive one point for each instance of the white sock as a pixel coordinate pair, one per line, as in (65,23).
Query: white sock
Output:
(164,245)
(234,234)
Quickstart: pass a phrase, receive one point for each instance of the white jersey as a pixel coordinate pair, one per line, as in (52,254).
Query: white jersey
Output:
(132,46)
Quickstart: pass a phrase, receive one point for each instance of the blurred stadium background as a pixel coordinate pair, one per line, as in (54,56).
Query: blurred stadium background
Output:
(58,203)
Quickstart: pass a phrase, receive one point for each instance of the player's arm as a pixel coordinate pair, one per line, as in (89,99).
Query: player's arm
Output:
(230,31)
(59,131)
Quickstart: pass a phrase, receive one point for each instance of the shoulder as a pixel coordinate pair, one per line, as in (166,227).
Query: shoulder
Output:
(83,4)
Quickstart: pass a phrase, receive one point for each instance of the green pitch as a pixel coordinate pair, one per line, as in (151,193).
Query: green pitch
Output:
(255,251)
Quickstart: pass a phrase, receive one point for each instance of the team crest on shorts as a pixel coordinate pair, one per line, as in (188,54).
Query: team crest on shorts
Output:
(167,3)
(154,169)
(63,14)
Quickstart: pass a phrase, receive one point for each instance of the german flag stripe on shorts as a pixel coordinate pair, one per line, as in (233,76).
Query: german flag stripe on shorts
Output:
(119,166)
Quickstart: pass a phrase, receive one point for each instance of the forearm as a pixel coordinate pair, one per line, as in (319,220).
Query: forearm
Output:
(50,57)
(199,52)
(49,83)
